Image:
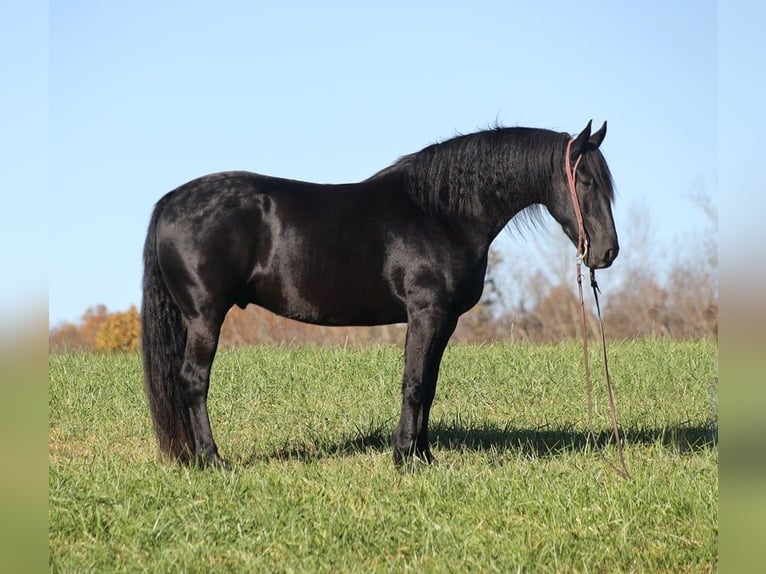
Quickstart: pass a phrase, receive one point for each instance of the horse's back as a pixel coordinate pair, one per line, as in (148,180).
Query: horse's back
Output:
(307,251)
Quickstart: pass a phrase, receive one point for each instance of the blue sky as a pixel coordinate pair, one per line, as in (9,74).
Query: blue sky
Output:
(140,97)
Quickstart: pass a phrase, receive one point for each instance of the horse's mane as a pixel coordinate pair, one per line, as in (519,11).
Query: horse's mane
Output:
(490,169)
(597,166)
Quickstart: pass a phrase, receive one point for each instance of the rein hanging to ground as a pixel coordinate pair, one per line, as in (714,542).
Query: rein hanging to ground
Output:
(582,252)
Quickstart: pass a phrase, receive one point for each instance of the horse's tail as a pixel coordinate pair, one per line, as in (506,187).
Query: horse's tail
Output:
(163,340)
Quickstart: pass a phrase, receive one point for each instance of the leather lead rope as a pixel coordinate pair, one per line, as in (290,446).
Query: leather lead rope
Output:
(623,470)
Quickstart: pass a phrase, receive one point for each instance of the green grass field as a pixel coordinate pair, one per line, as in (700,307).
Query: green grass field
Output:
(312,486)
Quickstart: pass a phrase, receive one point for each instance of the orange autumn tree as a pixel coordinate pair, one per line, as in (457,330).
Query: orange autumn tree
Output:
(120,331)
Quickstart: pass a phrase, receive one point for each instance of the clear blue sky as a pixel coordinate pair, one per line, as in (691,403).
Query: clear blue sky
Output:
(143,96)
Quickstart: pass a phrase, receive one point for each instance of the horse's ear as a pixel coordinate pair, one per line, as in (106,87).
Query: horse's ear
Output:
(578,145)
(596,139)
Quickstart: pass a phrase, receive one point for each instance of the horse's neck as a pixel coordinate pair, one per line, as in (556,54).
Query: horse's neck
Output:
(480,207)
(506,201)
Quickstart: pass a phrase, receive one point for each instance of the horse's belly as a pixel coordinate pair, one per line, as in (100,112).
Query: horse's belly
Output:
(328,299)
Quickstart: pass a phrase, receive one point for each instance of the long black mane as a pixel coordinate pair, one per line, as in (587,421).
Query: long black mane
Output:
(488,169)
(597,166)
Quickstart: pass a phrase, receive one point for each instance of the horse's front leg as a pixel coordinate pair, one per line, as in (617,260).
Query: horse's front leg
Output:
(428,332)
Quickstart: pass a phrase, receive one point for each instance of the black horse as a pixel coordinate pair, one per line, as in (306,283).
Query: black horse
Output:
(409,244)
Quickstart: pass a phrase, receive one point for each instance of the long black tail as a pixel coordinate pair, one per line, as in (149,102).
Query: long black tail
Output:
(163,338)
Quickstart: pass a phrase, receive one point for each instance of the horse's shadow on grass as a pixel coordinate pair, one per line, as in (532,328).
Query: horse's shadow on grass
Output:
(488,437)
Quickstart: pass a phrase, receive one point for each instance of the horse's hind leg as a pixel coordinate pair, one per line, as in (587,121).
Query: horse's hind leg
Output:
(201,344)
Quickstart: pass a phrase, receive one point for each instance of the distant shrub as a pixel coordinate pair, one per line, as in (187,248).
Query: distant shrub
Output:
(119,332)
(82,335)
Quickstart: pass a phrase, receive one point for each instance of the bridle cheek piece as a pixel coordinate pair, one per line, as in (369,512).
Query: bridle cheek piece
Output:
(583,242)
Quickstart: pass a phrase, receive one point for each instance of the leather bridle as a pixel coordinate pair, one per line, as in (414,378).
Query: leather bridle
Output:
(582,237)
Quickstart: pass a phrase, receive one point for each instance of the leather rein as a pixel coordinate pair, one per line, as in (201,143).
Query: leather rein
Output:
(583,244)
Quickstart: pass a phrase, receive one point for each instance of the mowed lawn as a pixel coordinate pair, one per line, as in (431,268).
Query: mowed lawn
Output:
(312,486)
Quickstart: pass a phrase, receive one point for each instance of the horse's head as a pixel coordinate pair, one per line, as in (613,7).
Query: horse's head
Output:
(593,183)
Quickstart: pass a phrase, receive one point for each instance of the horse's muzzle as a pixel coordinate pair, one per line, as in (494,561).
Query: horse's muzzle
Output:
(603,261)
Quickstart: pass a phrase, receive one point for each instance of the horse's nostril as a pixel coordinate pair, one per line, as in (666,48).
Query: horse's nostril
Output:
(610,255)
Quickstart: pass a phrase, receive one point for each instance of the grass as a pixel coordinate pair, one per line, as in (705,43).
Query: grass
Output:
(312,486)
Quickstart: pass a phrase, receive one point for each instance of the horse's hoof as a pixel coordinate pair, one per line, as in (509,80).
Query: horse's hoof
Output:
(220,464)
(425,456)
(409,465)
(210,461)
(408,461)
